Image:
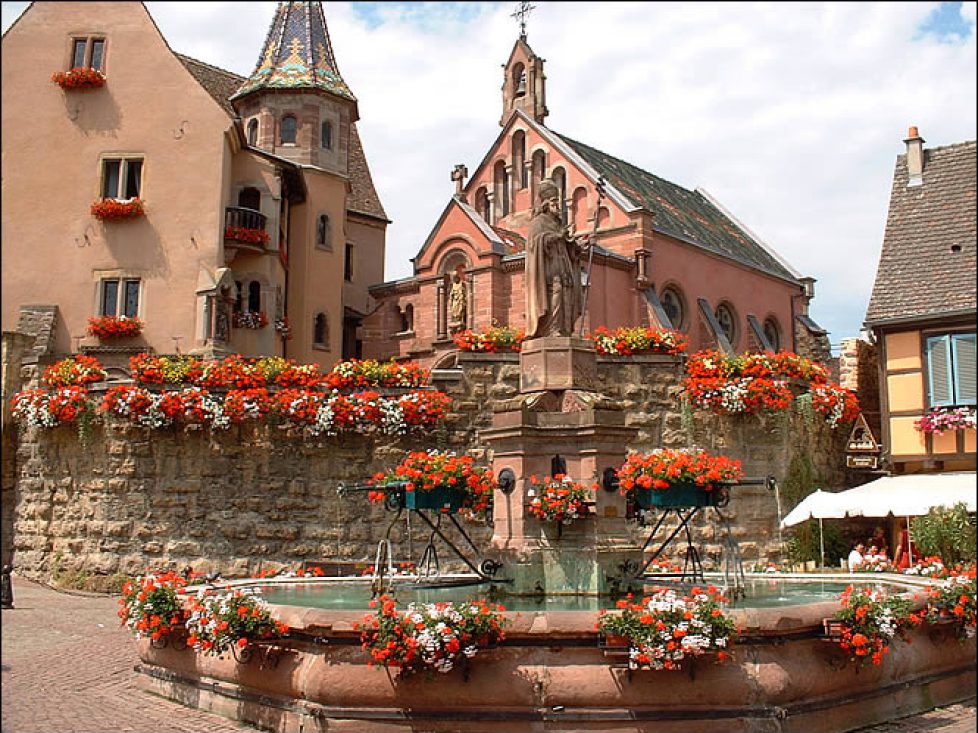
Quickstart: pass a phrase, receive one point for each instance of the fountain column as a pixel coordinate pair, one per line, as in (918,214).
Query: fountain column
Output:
(559,418)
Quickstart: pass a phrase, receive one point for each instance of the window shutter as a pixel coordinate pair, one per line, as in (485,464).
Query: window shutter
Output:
(963,346)
(939,370)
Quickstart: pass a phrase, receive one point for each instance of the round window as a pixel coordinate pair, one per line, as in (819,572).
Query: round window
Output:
(672,304)
(728,323)
(773,333)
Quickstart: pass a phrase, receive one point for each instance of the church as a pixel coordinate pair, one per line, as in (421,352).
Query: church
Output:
(663,256)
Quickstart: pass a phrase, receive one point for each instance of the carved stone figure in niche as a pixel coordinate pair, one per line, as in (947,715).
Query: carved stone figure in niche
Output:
(554,295)
(457,302)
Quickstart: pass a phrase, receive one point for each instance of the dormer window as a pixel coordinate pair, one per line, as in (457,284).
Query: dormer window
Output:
(288,132)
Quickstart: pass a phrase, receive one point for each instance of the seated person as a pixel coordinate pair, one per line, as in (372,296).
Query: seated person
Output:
(878,540)
(855,559)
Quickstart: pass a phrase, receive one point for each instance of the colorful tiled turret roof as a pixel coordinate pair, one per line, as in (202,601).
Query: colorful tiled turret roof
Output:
(297,54)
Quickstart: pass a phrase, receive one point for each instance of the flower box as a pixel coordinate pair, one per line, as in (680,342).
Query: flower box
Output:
(678,495)
(247,235)
(80,77)
(113,327)
(442,498)
(113,209)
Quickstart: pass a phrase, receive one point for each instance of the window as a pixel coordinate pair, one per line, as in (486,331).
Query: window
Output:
(322,232)
(950,369)
(289,126)
(772,333)
(239,296)
(674,306)
(253,132)
(502,189)
(249,198)
(519,159)
(326,135)
(121,178)
(254,296)
(348,263)
(320,330)
(728,322)
(120,297)
(88,53)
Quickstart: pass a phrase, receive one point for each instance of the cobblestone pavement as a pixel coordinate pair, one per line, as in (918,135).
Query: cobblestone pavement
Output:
(67,667)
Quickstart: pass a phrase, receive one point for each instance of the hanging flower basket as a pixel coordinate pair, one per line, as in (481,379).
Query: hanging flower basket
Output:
(113,209)
(674,478)
(559,499)
(111,327)
(438,480)
(81,77)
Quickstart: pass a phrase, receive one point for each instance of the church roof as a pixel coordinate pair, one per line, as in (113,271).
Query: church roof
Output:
(920,275)
(689,216)
(297,54)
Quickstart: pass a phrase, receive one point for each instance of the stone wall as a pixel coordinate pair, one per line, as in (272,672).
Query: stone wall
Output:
(251,497)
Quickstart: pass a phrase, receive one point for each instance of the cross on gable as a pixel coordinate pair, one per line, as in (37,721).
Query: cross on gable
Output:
(523,9)
(459,174)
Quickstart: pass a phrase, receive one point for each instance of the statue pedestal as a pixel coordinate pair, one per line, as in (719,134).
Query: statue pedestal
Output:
(557,363)
(586,557)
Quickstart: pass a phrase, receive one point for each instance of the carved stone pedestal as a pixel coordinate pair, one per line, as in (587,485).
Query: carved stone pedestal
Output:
(557,363)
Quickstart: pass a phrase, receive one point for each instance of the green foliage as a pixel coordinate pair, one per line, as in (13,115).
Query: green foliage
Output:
(946,532)
(805,408)
(800,481)
(803,545)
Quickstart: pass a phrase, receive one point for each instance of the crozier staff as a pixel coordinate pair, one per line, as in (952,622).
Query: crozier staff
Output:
(554,296)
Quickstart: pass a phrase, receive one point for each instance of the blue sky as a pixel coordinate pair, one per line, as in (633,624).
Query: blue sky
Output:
(790,114)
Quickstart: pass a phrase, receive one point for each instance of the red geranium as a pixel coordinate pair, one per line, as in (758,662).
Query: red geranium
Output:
(81,77)
(109,327)
(107,209)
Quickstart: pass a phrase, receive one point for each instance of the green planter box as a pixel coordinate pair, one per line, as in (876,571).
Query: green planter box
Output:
(677,496)
(445,498)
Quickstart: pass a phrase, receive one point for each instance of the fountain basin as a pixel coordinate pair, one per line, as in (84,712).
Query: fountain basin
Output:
(550,674)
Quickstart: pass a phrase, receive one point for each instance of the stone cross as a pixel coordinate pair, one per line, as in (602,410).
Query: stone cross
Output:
(523,9)
(459,174)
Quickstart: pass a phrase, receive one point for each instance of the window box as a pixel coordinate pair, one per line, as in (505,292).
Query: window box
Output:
(249,319)
(112,209)
(678,495)
(247,235)
(79,78)
(111,327)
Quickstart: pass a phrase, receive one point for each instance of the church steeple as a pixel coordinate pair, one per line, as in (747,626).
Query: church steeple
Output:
(297,55)
(524,83)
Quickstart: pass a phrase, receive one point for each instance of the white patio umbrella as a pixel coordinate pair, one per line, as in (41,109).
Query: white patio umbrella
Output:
(818,505)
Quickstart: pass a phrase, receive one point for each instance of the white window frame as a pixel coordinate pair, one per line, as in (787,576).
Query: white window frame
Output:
(124,162)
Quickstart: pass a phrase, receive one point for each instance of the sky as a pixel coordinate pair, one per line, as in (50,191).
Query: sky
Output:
(791,115)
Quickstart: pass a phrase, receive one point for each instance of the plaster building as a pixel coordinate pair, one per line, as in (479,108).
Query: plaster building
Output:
(664,255)
(922,310)
(257,201)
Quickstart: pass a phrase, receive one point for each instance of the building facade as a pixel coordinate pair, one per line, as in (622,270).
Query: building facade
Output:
(664,256)
(922,310)
(260,228)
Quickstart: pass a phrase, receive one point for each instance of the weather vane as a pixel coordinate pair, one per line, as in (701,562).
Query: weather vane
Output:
(523,9)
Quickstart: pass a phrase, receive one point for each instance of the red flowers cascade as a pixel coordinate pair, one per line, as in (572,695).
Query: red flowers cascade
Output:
(426,471)
(666,467)
(114,209)
(111,327)
(247,235)
(81,77)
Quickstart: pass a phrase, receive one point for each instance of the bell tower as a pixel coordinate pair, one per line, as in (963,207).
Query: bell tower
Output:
(524,83)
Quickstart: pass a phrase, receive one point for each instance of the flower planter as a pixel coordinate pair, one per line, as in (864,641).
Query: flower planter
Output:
(114,210)
(79,78)
(442,498)
(678,495)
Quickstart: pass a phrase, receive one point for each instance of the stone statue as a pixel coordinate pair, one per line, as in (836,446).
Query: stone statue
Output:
(554,294)
(456,302)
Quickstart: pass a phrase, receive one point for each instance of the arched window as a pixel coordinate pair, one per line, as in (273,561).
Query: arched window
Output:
(239,296)
(560,179)
(519,80)
(604,217)
(249,198)
(409,316)
(326,135)
(580,209)
(519,158)
(320,330)
(254,296)
(482,203)
(674,305)
(289,127)
(322,232)
(773,333)
(728,322)
(253,132)
(501,181)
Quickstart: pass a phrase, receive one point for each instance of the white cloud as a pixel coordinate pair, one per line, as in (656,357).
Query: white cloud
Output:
(790,114)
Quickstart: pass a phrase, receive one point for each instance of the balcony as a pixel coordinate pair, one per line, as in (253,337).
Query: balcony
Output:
(244,231)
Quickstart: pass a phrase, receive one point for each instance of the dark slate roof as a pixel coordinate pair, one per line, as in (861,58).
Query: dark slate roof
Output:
(685,215)
(297,54)
(918,274)
(363,197)
(220,84)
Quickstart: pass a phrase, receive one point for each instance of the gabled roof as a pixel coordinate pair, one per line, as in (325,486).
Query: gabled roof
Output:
(220,84)
(363,196)
(689,216)
(496,243)
(297,54)
(919,276)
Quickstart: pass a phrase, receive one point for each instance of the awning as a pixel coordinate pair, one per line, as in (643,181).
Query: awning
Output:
(908,495)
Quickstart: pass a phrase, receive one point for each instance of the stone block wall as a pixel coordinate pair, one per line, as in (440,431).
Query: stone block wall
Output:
(252,497)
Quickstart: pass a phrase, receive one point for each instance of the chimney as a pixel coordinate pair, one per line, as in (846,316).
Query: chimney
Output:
(915,157)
